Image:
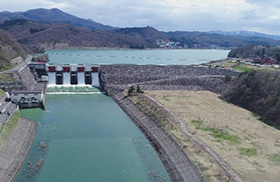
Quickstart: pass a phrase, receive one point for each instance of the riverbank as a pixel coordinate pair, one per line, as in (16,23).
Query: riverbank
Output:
(152,77)
(15,150)
(176,163)
(245,144)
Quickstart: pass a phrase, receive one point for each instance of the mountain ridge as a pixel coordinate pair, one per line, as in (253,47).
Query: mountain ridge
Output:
(246,33)
(53,16)
(40,29)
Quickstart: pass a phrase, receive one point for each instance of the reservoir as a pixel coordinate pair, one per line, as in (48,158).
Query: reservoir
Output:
(140,57)
(87,136)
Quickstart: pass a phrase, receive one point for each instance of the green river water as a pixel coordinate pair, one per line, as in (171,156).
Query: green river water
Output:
(89,138)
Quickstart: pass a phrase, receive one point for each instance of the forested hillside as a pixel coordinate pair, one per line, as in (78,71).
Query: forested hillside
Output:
(254,51)
(39,36)
(216,40)
(259,92)
(9,49)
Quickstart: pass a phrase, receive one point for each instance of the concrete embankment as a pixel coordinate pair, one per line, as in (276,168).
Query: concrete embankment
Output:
(14,152)
(177,164)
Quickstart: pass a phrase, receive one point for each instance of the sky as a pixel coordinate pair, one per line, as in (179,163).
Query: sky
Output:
(168,15)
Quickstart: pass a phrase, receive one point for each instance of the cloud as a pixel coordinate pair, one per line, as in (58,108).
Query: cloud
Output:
(168,15)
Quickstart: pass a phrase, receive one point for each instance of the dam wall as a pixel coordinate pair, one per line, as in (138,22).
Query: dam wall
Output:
(172,77)
(69,75)
(72,74)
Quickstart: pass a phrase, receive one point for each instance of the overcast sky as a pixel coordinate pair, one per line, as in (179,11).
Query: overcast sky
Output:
(168,15)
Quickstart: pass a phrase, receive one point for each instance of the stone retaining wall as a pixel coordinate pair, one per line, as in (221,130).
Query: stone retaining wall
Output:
(27,78)
(14,152)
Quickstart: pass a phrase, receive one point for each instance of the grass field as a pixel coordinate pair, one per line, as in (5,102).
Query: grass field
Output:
(249,146)
(6,78)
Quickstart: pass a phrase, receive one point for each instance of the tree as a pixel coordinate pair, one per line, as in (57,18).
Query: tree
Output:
(138,90)
(131,89)
(277,56)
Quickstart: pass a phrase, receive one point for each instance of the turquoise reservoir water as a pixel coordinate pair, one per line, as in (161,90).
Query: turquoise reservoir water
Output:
(142,57)
(89,138)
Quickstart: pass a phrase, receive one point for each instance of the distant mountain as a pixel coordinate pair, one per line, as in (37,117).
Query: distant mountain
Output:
(53,16)
(41,29)
(244,33)
(216,40)
(39,36)
(149,34)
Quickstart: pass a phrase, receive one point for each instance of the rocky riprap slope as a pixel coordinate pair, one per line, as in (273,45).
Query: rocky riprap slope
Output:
(152,77)
(14,152)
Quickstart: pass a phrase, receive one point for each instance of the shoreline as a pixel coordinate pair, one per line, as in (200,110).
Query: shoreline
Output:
(16,149)
(124,48)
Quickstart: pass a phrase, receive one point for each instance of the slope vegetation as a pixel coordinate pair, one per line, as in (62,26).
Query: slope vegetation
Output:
(9,49)
(257,91)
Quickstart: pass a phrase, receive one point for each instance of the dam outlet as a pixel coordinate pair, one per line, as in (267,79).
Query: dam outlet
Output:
(73,74)
(68,74)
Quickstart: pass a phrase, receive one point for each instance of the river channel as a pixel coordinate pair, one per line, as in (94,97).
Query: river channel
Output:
(87,137)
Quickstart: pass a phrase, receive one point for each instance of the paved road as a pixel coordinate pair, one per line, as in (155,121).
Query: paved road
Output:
(6,108)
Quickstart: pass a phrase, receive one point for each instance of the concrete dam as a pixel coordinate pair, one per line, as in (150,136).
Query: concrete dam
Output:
(73,74)
(69,74)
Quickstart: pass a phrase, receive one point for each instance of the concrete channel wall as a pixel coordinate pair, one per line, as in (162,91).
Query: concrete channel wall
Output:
(177,164)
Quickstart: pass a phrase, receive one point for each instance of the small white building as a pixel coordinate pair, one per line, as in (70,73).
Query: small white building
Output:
(26,96)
